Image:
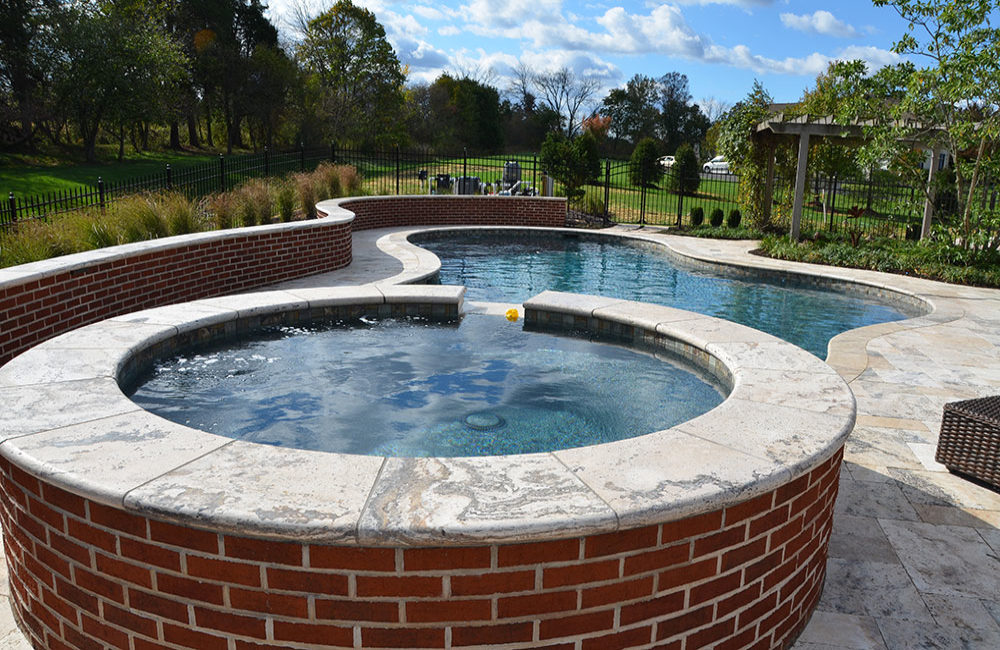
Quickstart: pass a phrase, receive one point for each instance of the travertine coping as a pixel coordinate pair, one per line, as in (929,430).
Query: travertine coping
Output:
(67,421)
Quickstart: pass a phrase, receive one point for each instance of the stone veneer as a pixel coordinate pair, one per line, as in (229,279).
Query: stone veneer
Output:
(43,299)
(127,531)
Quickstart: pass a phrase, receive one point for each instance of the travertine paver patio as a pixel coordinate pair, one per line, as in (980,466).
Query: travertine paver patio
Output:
(915,555)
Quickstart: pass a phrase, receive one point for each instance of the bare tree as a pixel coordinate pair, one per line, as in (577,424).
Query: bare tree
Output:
(714,108)
(567,94)
(521,85)
(483,76)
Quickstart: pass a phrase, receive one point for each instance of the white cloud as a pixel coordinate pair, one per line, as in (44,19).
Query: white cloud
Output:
(430,13)
(746,4)
(449,30)
(819,22)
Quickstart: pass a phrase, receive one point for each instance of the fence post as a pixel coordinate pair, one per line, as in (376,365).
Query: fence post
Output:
(267,163)
(465,165)
(302,156)
(397,170)
(680,207)
(642,204)
(170,178)
(100,192)
(607,188)
(534,168)
(333,152)
(12,206)
(833,203)
(222,173)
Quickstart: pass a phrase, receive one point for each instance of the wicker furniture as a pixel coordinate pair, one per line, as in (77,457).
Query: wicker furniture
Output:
(970,439)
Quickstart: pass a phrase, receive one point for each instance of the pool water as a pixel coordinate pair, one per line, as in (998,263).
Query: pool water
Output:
(512,267)
(479,387)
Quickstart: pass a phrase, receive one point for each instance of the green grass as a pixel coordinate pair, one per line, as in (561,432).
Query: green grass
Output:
(26,175)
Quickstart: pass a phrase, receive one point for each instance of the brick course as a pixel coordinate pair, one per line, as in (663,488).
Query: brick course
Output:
(85,576)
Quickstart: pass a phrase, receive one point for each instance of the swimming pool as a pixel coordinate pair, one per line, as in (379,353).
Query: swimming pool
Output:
(510,266)
(415,388)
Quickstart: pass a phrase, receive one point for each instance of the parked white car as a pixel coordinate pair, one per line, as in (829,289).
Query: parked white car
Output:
(717,165)
(667,162)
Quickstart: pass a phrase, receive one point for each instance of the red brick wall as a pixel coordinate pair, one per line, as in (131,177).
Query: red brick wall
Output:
(87,576)
(35,311)
(385,212)
(38,310)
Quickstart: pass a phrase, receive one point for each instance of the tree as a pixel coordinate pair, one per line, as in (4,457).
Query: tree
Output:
(26,59)
(680,120)
(355,73)
(118,63)
(748,157)
(685,175)
(959,90)
(644,166)
(460,113)
(574,162)
(567,94)
(633,110)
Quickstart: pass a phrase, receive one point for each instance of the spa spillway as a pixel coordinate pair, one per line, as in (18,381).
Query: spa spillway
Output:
(125,530)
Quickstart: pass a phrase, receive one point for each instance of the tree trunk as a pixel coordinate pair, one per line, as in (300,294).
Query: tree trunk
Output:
(144,135)
(208,126)
(192,124)
(175,135)
(121,142)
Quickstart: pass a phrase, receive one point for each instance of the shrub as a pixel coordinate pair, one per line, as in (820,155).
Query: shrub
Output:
(329,176)
(181,214)
(593,203)
(685,175)
(350,180)
(716,218)
(285,199)
(136,218)
(305,187)
(697,216)
(222,209)
(254,201)
(26,242)
(644,166)
(571,162)
(733,220)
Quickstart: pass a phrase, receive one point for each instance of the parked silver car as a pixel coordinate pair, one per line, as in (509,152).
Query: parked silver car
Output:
(717,165)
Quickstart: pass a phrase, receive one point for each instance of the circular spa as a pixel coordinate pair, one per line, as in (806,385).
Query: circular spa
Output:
(128,530)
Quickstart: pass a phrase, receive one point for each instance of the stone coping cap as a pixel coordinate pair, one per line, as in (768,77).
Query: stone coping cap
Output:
(67,421)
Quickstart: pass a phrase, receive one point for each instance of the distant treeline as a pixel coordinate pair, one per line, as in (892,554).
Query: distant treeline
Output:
(212,73)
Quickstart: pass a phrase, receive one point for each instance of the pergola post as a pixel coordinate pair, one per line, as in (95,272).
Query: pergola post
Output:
(925,226)
(800,184)
(769,181)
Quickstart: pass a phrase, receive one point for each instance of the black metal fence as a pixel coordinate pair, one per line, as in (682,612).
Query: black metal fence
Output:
(879,204)
(193,180)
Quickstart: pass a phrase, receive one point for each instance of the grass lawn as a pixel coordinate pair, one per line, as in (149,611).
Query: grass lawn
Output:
(26,175)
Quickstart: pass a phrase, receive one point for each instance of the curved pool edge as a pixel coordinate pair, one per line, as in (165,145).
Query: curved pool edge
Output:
(781,392)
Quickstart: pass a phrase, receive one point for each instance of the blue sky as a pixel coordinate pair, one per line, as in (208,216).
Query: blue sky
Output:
(721,45)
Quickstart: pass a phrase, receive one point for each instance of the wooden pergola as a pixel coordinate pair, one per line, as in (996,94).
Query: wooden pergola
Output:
(805,127)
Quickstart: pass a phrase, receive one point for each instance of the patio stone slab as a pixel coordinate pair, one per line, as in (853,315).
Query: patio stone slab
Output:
(948,560)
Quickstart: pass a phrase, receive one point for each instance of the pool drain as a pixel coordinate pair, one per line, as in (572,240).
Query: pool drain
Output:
(484,421)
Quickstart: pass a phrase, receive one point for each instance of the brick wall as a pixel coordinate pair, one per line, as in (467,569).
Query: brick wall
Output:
(31,312)
(385,212)
(87,576)
(37,310)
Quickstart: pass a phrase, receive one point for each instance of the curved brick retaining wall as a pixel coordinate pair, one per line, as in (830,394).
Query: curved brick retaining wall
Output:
(44,299)
(125,531)
(88,576)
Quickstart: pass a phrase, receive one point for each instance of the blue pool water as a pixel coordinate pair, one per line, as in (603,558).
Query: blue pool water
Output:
(511,267)
(412,388)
